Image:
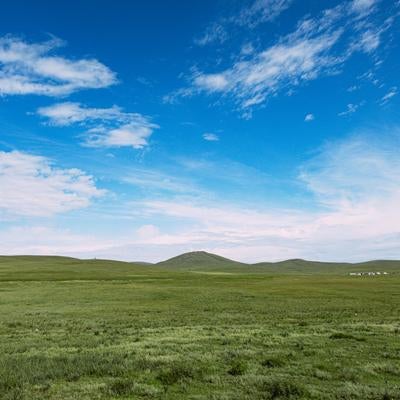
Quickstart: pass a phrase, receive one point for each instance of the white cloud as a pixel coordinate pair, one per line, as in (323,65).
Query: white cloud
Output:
(32,186)
(147,231)
(355,170)
(31,68)
(370,40)
(353,88)
(46,240)
(309,117)
(211,137)
(132,135)
(390,94)
(108,127)
(284,64)
(68,113)
(363,6)
(212,82)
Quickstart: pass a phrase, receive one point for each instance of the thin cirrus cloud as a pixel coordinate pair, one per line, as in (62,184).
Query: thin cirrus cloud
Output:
(250,16)
(215,33)
(33,68)
(318,46)
(105,127)
(309,118)
(32,186)
(261,11)
(389,95)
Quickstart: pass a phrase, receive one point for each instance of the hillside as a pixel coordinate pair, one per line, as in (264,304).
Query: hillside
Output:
(66,268)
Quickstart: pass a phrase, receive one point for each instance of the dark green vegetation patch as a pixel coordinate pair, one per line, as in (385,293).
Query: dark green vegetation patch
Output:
(206,329)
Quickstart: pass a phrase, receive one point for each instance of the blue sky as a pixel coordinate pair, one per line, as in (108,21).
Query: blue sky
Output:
(259,130)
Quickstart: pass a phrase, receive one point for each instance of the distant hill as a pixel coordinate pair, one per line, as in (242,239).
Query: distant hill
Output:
(200,260)
(68,268)
(310,267)
(203,261)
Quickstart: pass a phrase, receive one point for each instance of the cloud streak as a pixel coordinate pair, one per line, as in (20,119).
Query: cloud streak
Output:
(389,95)
(350,109)
(210,137)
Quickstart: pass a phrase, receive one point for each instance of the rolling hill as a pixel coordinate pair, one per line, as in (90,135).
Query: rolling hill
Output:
(68,268)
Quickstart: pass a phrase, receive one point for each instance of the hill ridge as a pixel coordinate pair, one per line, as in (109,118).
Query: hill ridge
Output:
(194,259)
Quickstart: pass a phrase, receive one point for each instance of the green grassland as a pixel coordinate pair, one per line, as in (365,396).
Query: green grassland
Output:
(198,327)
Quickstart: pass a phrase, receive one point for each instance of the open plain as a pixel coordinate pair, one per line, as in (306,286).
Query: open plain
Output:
(198,327)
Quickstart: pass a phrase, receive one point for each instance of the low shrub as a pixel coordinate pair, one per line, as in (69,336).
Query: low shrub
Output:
(272,362)
(176,373)
(342,335)
(284,389)
(238,367)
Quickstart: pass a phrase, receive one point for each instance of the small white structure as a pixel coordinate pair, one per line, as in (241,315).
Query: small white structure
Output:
(369,273)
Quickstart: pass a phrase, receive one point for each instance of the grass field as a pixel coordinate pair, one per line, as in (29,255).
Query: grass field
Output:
(197,328)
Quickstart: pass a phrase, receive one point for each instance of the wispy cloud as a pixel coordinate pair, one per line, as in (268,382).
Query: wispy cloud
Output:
(350,109)
(368,41)
(353,88)
(261,11)
(250,16)
(355,170)
(152,180)
(389,95)
(211,137)
(107,127)
(215,33)
(318,46)
(285,64)
(32,186)
(363,6)
(32,68)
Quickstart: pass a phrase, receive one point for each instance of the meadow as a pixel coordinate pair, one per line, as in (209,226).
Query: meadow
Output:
(197,327)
